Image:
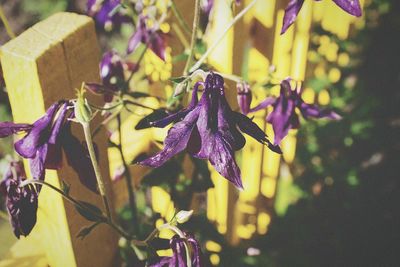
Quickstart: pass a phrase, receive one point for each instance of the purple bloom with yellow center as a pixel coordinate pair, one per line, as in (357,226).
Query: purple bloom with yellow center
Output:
(153,37)
(103,11)
(179,257)
(209,129)
(21,202)
(352,7)
(284,116)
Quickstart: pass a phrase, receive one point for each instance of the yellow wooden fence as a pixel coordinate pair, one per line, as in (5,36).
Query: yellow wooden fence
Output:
(53,57)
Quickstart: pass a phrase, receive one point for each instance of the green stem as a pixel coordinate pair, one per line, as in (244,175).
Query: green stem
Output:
(180,18)
(99,177)
(219,39)
(76,203)
(127,173)
(4,19)
(196,21)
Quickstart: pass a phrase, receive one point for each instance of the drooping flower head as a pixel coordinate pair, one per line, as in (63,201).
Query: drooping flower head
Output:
(244,97)
(208,129)
(42,145)
(153,37)
(179,257)
(352,7)
(284,116)
(103,11)
(21,202)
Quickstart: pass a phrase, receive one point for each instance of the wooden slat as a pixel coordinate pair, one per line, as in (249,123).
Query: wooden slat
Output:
(42,65)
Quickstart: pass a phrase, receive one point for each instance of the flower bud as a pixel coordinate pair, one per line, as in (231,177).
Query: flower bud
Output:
(244,97)
(82,110)
(183,216)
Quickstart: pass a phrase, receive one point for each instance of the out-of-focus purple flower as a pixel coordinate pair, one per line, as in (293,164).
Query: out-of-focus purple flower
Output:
(208,129)
(244,97)
(21,202)
(284,116)
(206,6)
(103,11)
(153,37)
(352,7)
(112,76)
(179,257)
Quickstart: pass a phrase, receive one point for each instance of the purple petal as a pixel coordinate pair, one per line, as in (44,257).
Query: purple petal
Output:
(37,164)
(247,126)
(264,104)
(59,120)
(291,12)
(78,158)
(221,156)
(197,257)
(9,128)
(310,110)
(38,135)
(244,97)
(158,44)
(352,7)
(180,114)
(179,252)
(176,140)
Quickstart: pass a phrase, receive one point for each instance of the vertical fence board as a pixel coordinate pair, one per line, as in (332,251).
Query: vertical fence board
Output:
(42,65)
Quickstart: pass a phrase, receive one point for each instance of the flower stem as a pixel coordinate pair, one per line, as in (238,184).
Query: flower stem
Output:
(77,204)
(196,21)
(219,39)
(99,177)
(4,19)
(127,173)
(179,16)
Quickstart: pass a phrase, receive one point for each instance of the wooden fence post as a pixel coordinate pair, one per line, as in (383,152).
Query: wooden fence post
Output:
(42,65)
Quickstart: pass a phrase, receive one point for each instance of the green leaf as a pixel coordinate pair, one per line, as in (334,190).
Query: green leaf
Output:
(168,173)
(65,187)
(89,211)
(178,79)
(86,230)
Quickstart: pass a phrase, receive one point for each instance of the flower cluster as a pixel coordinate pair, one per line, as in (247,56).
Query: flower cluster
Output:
(106,15)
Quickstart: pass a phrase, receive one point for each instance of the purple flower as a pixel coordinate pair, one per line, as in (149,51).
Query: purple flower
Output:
(9,128)
(112,76)
(179,258)
(21,202)
(208,129)
(103,12)
(153,37)
(244,97)
(284,116)
(41,144)
(352,7)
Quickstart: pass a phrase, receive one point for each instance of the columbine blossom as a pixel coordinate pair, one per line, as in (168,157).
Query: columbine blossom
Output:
(179,256)
(208,129)
(44,140)
(153,37)
(112,76)
(21,202)
(103,12)
(352,7)
(244,97)
(284,116)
